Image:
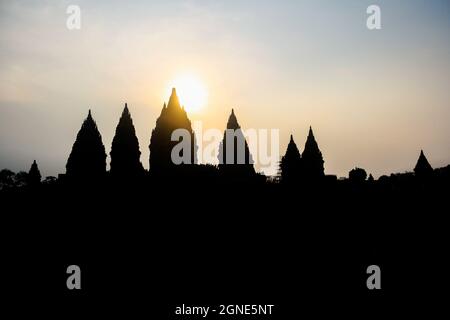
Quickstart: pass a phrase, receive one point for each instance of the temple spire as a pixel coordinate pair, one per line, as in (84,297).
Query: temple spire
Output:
(173,100)
(235,160)
(422,167)
(172,117)
(232,121)
(125,153)
(311,133)
(88,156)
(290,164)
(312,160)
(34,175)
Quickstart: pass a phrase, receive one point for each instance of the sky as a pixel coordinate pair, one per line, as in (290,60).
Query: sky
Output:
(374,98)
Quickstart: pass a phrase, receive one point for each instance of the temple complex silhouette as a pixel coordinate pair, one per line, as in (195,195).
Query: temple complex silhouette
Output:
(87,159)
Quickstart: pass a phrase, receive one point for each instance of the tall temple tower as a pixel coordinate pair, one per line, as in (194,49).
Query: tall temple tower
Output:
(173,116)
(235,159)
(312,160)
(125,154)
(88,156)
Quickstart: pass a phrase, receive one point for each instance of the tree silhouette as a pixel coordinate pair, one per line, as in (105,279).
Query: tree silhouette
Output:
(240,162)
(21,179)
(49,180)
(125,151)
(291,163)
(357,175)
(34,175)
(312,161)
(88,156)
(6,179)
(172,117)
(423,167)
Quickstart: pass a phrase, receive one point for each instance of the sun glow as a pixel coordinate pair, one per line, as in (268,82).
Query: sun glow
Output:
(191,92)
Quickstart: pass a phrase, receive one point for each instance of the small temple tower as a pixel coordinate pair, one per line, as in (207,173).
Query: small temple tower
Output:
(125,153)
(34,175)
(235,159)
(290,164)
(312,160)
(423,167)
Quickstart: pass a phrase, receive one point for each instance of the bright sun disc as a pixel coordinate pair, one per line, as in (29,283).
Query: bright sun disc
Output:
(191,92)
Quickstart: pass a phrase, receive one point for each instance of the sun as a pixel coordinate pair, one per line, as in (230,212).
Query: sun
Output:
(191,92)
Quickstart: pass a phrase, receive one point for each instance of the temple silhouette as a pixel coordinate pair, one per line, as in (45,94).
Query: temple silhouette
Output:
(235,163)
(125,153)
(87,160)
(88,157)
(308,166)
(173,116)
(291,164)
(423,167)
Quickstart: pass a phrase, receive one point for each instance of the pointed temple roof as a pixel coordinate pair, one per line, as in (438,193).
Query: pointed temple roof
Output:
(89,122)
(312,157)
(88,156)
(173,100)
(311,143)
(422,165)
(235,164)
(232,121)
(125,114)
(290,164)
(34,175)
(292,149)
(125,153)
(125,122)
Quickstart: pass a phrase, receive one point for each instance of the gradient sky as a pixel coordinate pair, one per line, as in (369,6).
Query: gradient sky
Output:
(373,98)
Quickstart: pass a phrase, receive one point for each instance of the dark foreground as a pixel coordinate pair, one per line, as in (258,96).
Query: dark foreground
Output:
(145,249)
